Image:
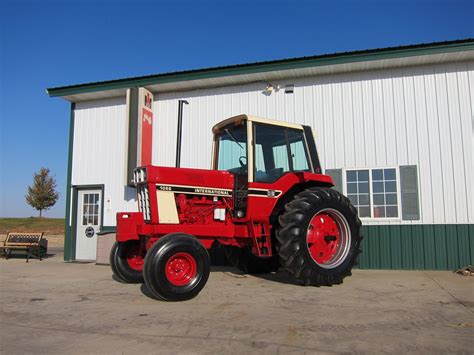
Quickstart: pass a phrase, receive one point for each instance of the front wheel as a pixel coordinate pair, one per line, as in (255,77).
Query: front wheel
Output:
(319,237)
(126,260)
(176,267)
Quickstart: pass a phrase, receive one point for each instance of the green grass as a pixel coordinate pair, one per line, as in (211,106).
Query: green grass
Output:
(32,224)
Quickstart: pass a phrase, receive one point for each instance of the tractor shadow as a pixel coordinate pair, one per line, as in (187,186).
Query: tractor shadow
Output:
(279,276)
(146,291)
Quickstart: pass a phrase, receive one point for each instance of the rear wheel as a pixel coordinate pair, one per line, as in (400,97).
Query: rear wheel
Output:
(176,267)
(319,237)
(126,260)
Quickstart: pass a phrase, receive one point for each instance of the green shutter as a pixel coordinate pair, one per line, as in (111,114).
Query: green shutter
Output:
(409,192)
(336,175)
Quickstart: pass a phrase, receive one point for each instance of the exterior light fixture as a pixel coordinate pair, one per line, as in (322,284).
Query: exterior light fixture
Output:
(270,88)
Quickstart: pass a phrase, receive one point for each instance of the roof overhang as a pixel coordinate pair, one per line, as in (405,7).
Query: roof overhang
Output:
(445,52)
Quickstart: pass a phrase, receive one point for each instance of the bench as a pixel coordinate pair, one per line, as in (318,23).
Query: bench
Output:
(32,243)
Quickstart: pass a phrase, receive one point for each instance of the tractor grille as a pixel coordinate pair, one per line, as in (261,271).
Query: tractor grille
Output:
(144,202)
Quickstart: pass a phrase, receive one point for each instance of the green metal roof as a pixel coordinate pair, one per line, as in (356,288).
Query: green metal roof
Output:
(267,66)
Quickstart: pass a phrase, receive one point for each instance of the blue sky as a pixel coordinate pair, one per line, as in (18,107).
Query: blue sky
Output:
(54,43)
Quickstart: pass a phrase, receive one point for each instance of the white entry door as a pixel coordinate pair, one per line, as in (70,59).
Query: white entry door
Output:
(88,223)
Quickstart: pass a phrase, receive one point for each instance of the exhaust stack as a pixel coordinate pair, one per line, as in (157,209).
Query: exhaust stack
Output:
(180,127)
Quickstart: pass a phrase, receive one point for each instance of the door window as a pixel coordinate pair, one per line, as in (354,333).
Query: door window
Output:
(278,150)
(90,209)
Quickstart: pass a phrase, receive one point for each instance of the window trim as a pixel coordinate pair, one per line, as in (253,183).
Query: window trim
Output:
(371,193)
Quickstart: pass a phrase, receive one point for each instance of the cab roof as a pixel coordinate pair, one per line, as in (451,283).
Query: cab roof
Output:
(242,117)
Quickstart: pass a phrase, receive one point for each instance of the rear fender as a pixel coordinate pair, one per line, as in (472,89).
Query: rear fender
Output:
(290,194)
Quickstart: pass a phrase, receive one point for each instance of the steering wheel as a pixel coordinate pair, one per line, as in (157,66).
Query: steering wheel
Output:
(243,161)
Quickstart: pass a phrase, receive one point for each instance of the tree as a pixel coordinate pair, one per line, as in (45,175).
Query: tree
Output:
(42,195)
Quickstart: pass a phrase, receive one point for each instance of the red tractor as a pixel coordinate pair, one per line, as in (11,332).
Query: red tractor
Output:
(265,201)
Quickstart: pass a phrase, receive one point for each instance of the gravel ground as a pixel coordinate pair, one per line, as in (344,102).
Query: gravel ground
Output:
(55,307)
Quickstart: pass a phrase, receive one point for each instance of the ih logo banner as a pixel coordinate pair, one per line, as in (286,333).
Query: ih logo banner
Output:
(140,134)
(146,127)
(148,99)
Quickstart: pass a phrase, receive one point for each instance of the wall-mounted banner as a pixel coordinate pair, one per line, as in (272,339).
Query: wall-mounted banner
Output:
(140,129)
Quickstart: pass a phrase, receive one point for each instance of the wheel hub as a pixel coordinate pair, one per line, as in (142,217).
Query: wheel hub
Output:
(323,237)
(135,259)
(181,269)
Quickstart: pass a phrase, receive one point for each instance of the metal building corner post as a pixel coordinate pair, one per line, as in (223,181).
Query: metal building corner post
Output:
(68,247)
(179,133)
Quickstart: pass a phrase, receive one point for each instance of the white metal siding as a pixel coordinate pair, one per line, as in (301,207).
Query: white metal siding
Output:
(100,143)
(410,116)
(420,116)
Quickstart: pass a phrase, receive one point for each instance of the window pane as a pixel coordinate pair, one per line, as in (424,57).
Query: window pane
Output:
(391,199)
(280,155)
(353,199)
(298,150)
(364,187)
(389,174)
(364,199)
(260,171)
(351,187)
(390,186)
(364,211)
(377,174)
(96,220)
(363,175)
(379,199)
(84,220)
(392,211)
(351,176)
(378,187)
(379,211)
(358,190)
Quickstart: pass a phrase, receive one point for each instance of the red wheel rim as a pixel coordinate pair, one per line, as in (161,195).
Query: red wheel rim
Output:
(135,258)
(181,269)
(328,238)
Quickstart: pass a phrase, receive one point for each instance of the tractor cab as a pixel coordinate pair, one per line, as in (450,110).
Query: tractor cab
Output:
(263,150)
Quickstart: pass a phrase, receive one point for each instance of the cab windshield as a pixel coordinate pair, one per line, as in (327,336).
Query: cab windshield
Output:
(232,142)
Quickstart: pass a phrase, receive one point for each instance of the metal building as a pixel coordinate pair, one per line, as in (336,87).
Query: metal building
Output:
(394,127)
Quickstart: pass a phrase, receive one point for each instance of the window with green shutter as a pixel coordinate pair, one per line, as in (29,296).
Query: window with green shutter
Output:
(381,193)
(336,175)
(409,192)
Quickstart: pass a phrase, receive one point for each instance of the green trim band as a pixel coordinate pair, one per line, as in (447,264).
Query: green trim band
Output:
(107,230)
(68,247)
(417,247)
(261,67)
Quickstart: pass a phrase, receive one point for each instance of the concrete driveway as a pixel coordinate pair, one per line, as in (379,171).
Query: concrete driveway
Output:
(56,307)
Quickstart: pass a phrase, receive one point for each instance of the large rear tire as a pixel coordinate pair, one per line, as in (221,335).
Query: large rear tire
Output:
(176,267)
(244,260)
(126,260)
(319,237)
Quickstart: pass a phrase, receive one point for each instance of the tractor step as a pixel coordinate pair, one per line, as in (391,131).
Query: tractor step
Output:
(260,234)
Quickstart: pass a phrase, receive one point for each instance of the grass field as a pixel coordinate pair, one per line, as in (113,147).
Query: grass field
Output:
(32,224)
